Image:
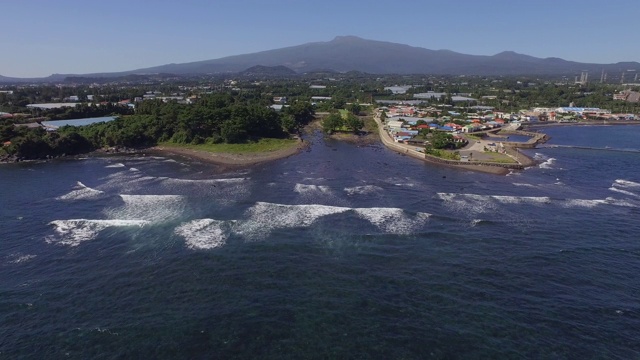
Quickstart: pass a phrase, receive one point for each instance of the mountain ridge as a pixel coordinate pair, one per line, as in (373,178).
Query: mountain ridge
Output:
(352,53)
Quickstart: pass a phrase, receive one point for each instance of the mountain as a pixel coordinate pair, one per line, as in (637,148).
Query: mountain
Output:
(269,71)
(347,53)
(351,53)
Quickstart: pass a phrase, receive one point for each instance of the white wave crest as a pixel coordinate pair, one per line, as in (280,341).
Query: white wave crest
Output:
(75,231)
(534,200)
(548,164)
(203,181)
(626,183)
(82,192)
(265,217)
(524,185)
(582,203)
(203,233)
(20,258)
(311,189)
(363,190)
(393,220)
(625,192)
(621,202)
(153,208)
(118,165)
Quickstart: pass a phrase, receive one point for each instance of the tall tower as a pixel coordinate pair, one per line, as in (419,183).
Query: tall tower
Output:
(602,77)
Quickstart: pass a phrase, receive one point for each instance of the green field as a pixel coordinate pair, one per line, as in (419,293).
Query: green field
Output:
(263,145)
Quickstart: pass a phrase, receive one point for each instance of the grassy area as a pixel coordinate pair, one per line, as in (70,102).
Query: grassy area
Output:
(370,125)
(444,154)
(263,145)
(473,137)
(499,158)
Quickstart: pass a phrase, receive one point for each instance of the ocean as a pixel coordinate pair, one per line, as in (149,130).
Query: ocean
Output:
(342,251)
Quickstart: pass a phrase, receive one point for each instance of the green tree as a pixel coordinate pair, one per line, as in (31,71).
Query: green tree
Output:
(354,108)
(353,123)
(442,140)
(332,122)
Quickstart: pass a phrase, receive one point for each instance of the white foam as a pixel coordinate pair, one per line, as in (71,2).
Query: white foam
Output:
(534,200)
(620,202)
(626,183)
(311,189)
(524,185)
(75,231)
(203,181)
(393,220)
(20,258)
(133,169)
(582,203)
(625,192)
(203,233)
(405,184)
(153,208)
(118,165)
(363,190)
(82,192)
(548,164)
(265,217)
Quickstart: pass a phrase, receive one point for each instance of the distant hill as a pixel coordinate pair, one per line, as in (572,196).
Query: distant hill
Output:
(350,53)
(261,70)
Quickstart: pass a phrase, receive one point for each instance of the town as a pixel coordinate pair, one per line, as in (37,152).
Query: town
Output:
(449,119)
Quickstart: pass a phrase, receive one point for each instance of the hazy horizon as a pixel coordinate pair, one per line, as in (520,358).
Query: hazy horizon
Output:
(74,37)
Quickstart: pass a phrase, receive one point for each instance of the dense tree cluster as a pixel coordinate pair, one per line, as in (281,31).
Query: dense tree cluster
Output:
(214,118)
(335,122)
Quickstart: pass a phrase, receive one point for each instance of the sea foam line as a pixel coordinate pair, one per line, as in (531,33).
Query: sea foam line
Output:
(626,183)
(482,203)
(266,217)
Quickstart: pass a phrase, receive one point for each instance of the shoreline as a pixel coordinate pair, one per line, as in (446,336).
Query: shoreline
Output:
(406,150)
(230,159)
(547,124)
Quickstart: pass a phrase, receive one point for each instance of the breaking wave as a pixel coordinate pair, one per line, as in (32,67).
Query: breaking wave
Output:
(203,233)
(548,164)
(478,204)
(265,217)
(152,208)
(19,258)
(82,192)
(626,183)
(393,220)
(363,190)
(311,189)
(118,165)
(74,232)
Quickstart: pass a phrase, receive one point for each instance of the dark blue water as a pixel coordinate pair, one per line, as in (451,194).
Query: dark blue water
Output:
(338,252)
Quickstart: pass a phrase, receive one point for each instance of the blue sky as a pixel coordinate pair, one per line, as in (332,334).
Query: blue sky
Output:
(41,37)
